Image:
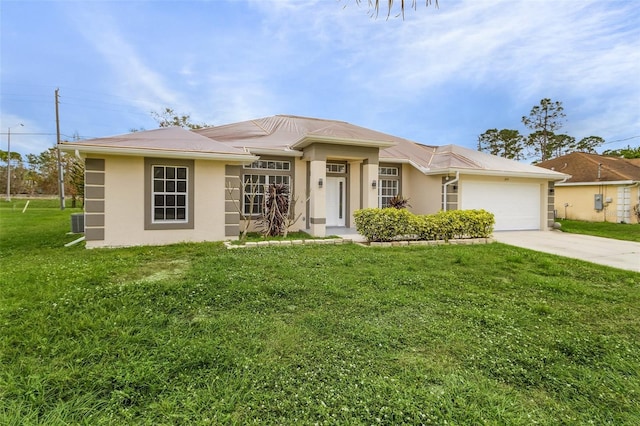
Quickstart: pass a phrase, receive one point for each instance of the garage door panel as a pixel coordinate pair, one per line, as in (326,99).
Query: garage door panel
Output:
(516,206)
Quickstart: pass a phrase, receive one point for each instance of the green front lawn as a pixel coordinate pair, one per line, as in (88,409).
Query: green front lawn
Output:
(618,231)
(198,334)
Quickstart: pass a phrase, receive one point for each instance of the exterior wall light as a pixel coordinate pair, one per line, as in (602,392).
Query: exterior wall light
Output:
(374,183)
(320,183)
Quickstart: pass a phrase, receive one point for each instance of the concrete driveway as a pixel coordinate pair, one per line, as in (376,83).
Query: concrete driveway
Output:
(604,251)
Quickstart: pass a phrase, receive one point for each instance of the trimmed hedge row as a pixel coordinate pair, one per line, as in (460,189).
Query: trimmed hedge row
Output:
(390,224)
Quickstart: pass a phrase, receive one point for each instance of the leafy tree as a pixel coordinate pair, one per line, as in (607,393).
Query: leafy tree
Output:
(19,175)
(74,181)
(543,142)
(15,156)
(43,173)
(561,144)
(589,144)
(627,152)
(505,143)
(541,148)
(169,118)
(45,168)
(544,120)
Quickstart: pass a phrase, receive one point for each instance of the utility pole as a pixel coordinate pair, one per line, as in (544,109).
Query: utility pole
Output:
(60,168)
(9,164)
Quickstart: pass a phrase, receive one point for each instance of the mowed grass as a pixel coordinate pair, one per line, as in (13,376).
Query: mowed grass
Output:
(618,231)
(198,334)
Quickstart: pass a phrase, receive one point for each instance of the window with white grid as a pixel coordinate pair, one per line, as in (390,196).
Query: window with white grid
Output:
(388,188)
(336,168)
(255,187)
(388,171)
(269,165)
(169,195)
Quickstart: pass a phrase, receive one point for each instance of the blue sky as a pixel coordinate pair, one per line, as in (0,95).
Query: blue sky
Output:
(442,75)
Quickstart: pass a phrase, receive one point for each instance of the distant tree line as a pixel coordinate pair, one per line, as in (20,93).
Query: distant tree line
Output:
(543,143)
(627,152)
(37,174)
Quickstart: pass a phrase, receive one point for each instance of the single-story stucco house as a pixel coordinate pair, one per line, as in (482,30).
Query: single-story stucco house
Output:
(174,185)
(601,188)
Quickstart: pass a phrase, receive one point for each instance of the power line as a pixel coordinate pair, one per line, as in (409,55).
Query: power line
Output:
(30,134)
(625,139)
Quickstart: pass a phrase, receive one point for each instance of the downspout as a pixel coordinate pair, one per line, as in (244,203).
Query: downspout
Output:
(444,192)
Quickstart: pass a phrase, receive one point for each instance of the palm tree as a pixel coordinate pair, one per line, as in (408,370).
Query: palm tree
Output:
(375,5)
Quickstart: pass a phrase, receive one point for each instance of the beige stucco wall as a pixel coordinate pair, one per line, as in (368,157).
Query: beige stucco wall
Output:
(300,193)
(580,203)
(355,190)
(317,200)
(424,192)
(124,207)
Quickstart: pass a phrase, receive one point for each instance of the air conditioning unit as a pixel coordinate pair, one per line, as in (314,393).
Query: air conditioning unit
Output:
(77,223)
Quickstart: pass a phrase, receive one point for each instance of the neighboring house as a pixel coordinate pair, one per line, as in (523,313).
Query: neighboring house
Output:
(601,188)
(171,185)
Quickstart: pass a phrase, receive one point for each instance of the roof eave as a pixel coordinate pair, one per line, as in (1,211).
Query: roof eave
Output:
(555,176)
(308,140)
(158,153)
(599,183)
(412,163)
(277,152)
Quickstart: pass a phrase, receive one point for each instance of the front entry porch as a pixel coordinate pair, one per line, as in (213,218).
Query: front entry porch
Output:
(346,233)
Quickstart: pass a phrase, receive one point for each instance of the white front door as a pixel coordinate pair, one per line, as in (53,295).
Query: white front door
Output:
(336,196)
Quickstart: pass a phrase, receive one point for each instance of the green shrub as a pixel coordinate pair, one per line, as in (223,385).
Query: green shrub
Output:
(389,224)
(382,224)
(465,224)
(425,227)
(482,224)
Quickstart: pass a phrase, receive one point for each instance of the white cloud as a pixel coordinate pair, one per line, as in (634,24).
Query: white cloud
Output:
(435,75)
(133,78)
(585,53)
(28,138)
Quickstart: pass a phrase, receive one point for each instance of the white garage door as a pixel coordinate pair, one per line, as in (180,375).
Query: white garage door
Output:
(516,206)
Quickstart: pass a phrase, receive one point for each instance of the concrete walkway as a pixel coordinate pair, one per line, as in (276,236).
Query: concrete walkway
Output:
(348,233)
(604,251)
